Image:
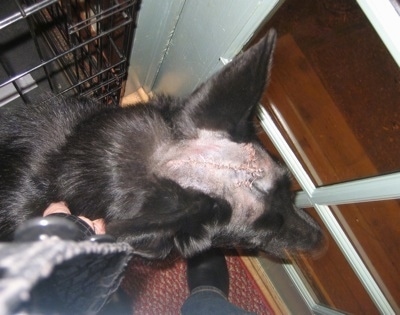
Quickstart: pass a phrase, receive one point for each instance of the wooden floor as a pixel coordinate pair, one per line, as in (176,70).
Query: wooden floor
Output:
(355,69)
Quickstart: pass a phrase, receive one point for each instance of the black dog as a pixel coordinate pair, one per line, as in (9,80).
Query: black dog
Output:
(187,172)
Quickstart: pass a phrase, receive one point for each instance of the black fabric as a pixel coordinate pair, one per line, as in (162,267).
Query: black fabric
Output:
(60,277)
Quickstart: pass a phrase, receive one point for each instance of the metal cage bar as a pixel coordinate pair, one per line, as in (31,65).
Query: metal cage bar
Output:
(80,47)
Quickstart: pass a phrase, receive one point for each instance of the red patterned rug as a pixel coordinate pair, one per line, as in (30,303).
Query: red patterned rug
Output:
(160,287)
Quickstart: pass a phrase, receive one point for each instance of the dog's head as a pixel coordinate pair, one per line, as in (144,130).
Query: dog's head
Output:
(218,154)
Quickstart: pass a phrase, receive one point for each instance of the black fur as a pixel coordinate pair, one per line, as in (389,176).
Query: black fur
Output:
(184,173)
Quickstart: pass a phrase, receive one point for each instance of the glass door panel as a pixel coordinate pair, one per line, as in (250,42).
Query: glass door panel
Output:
(334,91)
(334,95)
(374,230)
(333,281)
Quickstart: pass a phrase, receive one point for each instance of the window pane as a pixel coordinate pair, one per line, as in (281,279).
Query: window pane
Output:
(335,91)
(333,282)
(334,94)
(374,230)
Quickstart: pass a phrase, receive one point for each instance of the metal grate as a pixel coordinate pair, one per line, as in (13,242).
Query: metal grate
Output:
(76,47)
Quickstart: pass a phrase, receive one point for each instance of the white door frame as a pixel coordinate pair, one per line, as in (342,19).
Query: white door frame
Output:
(382,187)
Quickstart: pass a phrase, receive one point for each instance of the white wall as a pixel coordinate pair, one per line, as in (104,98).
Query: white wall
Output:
(178,44)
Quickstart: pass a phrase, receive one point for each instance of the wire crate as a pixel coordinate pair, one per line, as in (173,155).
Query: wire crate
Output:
(78,47)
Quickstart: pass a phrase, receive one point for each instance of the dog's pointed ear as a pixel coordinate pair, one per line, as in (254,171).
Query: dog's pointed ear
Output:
(227,100)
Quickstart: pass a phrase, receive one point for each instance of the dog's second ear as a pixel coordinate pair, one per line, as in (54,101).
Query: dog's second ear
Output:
(227,100)
(171,216)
